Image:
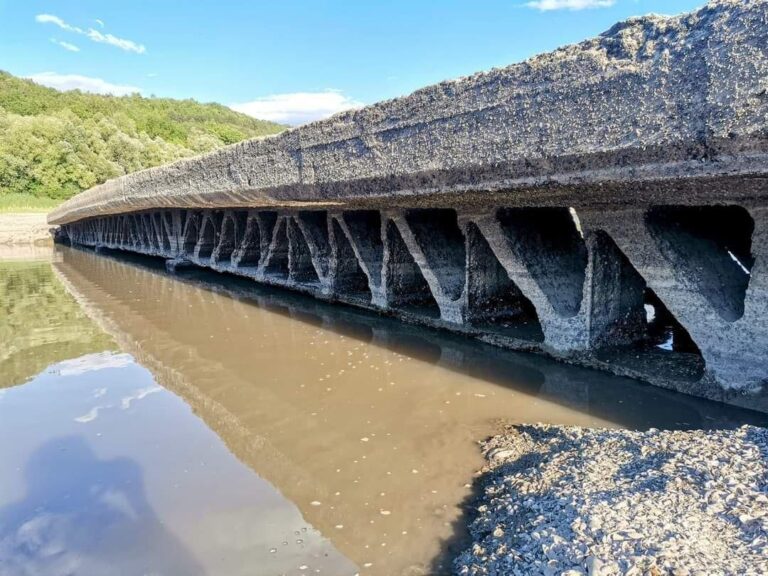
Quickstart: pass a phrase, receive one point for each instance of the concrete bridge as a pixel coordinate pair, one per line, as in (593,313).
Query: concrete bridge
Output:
(591,204)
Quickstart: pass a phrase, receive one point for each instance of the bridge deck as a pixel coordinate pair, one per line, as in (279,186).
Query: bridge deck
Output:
(627,118)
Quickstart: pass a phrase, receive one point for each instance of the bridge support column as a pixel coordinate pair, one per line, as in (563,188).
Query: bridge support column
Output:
(494,302)
(314,230)
(178,218)
(364,232)
(710,271)
(229,238)
(545,257)
(614,295)
(303,265)
(274,266)
(583,292)
(346,273)
(752,344)
(436,246)
(249,253)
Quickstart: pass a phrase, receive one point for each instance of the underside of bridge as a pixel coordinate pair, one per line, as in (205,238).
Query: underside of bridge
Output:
(675,295)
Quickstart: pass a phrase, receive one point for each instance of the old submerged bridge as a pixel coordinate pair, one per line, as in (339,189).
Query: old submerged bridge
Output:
(606,204)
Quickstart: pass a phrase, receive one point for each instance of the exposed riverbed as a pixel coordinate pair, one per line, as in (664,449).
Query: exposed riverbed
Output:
(222,428)
(23,229)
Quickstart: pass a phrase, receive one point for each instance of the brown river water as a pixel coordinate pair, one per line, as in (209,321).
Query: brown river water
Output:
(153,424)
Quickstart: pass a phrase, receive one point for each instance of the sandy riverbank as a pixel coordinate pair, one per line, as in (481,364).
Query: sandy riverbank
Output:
(572,501)
(24,229)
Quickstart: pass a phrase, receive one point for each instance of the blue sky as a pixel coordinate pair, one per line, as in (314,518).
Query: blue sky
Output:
(289,60)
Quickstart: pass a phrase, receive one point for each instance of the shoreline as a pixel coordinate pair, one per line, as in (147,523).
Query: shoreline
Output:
(575,501)
(24,229)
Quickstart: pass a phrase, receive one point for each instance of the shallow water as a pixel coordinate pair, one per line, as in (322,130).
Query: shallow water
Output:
(201,425)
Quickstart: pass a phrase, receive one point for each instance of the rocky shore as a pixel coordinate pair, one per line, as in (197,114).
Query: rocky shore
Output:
(573,501)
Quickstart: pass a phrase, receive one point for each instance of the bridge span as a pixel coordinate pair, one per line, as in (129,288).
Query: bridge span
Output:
(604,204)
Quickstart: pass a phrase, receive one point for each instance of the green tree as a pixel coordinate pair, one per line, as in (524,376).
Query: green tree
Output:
(56,144)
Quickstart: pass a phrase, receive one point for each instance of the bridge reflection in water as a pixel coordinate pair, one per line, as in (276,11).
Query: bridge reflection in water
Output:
(367,424)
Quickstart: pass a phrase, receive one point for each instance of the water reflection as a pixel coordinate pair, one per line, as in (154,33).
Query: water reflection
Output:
(84,515)
(367,424)
(44,326)
(105,472)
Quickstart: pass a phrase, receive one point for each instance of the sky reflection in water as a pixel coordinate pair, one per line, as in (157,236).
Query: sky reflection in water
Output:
(107,473)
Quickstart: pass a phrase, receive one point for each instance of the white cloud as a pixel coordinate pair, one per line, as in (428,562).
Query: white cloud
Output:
(91,362)
(547,5)
(55,20)
(99,22)
(85,83)
(94,35)
(122,43)
(140,394)
(66,45)
(91,415)
(297,107)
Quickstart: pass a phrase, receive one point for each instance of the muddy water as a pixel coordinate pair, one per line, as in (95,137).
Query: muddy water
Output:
(207,426)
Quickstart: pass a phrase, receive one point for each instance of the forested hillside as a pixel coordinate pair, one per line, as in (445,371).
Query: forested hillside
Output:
(55,144)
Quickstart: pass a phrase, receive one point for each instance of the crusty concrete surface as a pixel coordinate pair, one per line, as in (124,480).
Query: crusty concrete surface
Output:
(572,501)
(24,229)
(628,117)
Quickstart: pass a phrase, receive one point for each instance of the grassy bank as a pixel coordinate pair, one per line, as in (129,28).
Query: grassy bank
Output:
(21,203)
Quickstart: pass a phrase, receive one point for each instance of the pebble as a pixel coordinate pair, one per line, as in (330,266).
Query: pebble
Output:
(572,501)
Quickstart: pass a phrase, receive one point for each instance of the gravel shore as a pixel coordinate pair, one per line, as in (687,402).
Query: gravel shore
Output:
(570,501)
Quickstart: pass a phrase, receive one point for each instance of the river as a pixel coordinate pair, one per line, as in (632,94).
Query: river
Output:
(198,424)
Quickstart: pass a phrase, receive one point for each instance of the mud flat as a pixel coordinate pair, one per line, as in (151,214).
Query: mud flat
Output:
(24,229)
(567,500)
